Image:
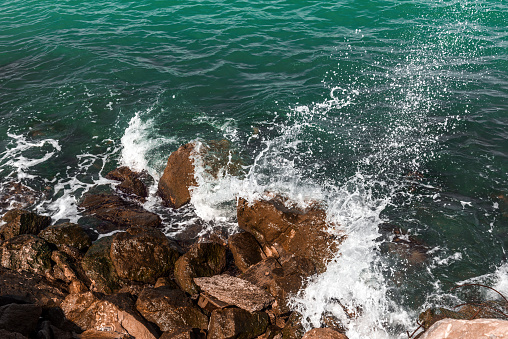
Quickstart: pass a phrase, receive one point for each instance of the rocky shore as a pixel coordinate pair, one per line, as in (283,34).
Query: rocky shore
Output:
(60,281)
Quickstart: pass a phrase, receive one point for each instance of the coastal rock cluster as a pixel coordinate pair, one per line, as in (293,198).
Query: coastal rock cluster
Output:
(58,281)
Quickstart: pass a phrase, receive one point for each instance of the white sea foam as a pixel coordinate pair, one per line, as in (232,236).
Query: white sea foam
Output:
(23,154)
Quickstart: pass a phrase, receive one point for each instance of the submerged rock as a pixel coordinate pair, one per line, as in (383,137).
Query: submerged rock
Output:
(284,230)
(178,176)
(237,323)
(17,195)
(202,260)
(19,222)
(67,234)
(170,309)
(26,252)
(143,254)
(99,267)
(122,213)
(235,291)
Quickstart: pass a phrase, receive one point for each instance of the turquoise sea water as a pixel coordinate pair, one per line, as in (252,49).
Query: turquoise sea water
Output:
(387,111)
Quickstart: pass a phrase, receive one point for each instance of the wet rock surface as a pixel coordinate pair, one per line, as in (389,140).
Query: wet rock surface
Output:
(237,323)
(324,333)
(16,195)
(120,212)
(235,291)
(289,230)
(19,222)
(202,260)
(143,254)
(131,183)
(178,177)
(170,309)
(460,329)
(246,250)
(68,234)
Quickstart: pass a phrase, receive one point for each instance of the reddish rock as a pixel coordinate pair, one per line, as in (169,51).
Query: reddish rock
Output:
(235,291)
(19,221)
(237,323)
(323,333)
(114,313)
(279,228)
(26,252)
(122,213)
(96,334)
(202,260)
(246,250)
(67,234)
(31,288)
(17,195)
(460,329)
(131,184)
(63,269)
(170,309)
(293,328)
(178,176)
(20,318)
(143,254)
(99,268)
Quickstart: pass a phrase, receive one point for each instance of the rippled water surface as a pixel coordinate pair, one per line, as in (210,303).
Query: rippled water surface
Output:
(390,112)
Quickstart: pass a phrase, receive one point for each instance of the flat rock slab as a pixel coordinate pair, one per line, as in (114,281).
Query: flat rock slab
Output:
(460,329)
(235,291)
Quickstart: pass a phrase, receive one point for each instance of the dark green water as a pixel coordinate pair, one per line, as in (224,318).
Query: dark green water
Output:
(388,111)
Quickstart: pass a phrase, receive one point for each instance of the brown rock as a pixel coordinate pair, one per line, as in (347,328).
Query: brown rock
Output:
(63,269)
(26,252)
(178,176)
(323,333)
(122,213)
(67,234)
(293,328)
(96,334)
(4,334)
(208,303)
(99,268)
(143,254)
(114,313)
(235,291)
(19,221)
(122,173)
(246,250)
(202,260)
(290,229)
(31,288)
(133,186)
(170,309)
(184,333)
(237,323)
(20,318)
(460,329)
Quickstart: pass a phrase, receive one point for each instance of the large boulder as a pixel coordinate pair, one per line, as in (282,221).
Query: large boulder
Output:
(67,234)
(19,221)
(237,323)
(99,267)
(20,318)
(460,329)
(280,279)
(184,333)
(178,177)
(26,252)
(202,260)
(114,313)
(143,254)
(130,182)
(170,309)
(122,213)
(31,288)
(291,230)
(246,250)
(235,291)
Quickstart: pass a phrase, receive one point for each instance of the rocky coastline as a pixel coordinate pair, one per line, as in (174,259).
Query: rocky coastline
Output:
(60,281)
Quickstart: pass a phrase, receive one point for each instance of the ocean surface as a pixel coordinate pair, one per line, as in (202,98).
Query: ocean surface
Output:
(393,114)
